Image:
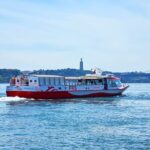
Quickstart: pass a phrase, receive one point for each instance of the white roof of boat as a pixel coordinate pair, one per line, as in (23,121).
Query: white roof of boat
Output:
(48,76)
(85,77)
(92,77)
(73,78)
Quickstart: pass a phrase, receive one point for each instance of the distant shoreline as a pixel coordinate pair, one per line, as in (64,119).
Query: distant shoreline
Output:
(126,77)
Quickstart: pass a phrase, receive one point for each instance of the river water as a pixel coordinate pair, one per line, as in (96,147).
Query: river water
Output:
(91,123)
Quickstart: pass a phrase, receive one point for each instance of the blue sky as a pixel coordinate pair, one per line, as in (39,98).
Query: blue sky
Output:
(52,34)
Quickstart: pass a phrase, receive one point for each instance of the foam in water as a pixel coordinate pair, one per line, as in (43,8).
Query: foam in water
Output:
(10,99)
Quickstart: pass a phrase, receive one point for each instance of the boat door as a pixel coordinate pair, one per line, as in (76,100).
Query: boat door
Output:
(105,84)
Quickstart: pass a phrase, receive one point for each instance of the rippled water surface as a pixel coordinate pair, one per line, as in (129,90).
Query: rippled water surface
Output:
(94,123)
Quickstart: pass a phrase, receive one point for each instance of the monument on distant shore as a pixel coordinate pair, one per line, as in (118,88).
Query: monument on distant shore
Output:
(81,65)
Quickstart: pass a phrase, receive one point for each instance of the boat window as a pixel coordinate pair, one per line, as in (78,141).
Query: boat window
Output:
(30,80)
(88,82)
(17,80)
(100,81)
(57,81)
(79,82)
(71,82)
(113,83)
(118,82)
(35,81)
(27,82)
(94,82)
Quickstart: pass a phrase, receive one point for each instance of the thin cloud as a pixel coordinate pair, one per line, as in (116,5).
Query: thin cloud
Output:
(96,30)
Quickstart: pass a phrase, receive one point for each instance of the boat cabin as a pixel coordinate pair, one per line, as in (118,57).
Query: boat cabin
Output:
(83,82)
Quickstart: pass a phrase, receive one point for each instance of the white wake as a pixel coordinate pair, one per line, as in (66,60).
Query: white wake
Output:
(11,99)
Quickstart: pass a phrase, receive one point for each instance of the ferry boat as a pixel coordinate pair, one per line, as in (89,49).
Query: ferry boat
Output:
(57,87)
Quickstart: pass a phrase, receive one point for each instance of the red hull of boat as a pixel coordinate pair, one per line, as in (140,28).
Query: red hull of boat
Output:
(56,95)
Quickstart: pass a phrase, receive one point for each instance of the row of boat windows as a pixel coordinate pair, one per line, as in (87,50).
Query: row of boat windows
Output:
(30,81)
(58,81)
(66,82)
(27,82)
(71,82)
(84,82)
(112,83)
(51,81)
(33,81)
